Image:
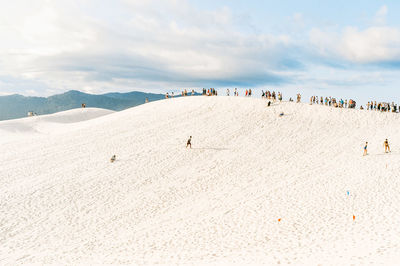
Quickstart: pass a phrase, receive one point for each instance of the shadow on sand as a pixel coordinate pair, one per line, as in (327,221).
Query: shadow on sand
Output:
(215,149)
(388,153)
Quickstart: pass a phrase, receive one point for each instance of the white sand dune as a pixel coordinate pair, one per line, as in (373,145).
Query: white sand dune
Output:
(63,202)
(49,123)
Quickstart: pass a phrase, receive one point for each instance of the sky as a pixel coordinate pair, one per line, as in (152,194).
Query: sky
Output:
(348,49)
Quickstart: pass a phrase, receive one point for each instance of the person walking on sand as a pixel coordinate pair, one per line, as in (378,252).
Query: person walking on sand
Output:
(386,144)
(365,149)
(189,142)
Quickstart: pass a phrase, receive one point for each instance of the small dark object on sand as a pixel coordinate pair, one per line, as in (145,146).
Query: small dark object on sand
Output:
(113,158)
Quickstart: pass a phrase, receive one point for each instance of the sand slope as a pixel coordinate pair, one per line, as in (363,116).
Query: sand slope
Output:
(48,124)
(62,201)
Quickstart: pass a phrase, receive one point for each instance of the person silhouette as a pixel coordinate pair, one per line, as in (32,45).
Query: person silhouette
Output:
(386,144)
(189,142)
(365,149)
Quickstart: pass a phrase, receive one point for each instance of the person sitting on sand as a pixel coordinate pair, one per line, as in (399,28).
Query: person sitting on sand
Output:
(189,142)
(365,148)
(386,144)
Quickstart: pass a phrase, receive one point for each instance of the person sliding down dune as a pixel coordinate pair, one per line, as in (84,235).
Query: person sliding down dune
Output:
(189,142)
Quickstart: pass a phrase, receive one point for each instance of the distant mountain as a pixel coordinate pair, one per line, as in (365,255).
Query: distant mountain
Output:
(17,106)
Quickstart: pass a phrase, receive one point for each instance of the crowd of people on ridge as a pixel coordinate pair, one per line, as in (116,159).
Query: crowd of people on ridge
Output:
(327,101)
(383,107)
(330,101)
(247,93)
(210,92)
(183,93)
(271,96)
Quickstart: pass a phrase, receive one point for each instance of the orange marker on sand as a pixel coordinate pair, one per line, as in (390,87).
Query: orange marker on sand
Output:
(354,217)
(279,219)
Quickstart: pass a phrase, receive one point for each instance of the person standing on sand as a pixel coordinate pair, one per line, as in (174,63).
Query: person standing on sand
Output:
(365,149)
(386,144)
(189,142)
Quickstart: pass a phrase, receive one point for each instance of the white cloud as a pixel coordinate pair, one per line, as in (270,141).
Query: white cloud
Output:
(78,44)
(372,45)
(375,44)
